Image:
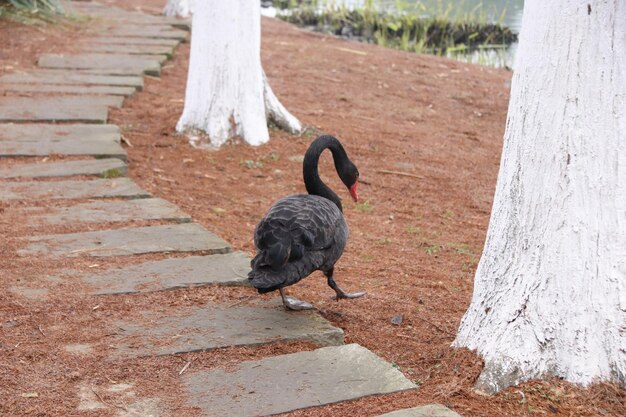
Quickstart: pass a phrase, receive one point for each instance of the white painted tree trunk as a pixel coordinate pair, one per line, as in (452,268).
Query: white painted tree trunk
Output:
(227,94)
(550,289)
(179,8)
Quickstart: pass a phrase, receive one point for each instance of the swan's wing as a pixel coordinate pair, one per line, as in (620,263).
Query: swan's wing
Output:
(293,237)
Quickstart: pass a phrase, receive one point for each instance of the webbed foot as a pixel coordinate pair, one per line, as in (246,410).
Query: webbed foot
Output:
(341,293)
(294,303)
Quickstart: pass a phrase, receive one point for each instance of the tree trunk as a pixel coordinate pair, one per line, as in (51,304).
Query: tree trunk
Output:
(178,8)
(227,94)
(550,289)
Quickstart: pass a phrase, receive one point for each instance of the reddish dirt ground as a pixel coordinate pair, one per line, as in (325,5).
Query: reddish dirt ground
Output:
(426,135)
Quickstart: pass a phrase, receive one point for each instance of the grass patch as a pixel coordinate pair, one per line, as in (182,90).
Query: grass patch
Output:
(414,230)
(408,28)
(111,173)
(363,207)
(31,11)
(432,250)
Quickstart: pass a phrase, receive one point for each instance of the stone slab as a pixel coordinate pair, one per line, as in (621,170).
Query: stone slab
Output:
(101,149)
(53,109)
(136,41)
(70,189)
(130,49)
(167,274)
(35,294)
(105,63)
(108,211)
(431,410)
(285,383)
(108,168)
(43,76)
(127,16)
(188,237)
(65,100)
(68,89)
(219,326)
(38,132)
(103,60)
(149,32)
(124,71)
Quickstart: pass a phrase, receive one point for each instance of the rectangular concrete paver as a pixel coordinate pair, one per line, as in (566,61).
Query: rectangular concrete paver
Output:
(108,211)
(122,71)
(65,77)
(431,410)
(136,41)
(192,271)
(68,89)
(129,49)
(285,383)
(104,63)
(108,168)
(127,16)
(102,149)
(188,237)
(70,189)
(218,326)
(149,32)
(38,132)
(53,109)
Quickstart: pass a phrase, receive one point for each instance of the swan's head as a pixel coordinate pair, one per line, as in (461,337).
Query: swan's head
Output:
(349,175)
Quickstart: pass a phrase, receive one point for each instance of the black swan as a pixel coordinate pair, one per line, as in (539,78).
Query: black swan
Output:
(304,233)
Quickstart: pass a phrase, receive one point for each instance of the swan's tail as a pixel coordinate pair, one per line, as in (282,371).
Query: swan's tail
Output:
(266,279)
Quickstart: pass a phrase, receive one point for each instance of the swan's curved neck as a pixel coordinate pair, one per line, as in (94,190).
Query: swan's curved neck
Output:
(312,181)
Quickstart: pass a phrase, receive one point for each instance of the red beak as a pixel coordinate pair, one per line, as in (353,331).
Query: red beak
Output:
(353,193)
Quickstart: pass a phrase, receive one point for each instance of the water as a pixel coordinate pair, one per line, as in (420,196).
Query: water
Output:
(506,12)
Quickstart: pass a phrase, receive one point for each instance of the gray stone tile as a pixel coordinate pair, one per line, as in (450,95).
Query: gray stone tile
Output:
(108,211)
(108,168)
(189,237)
(285,383)
(167,274)
(53,109)
(65,77)
(129,49)
(131,17)
(102,149)
(70,189)
(34,294)
(120,71)
(68,89)
(104,63)
(218,326)
(135,41)
(149,32)
(431,410)
(41,132)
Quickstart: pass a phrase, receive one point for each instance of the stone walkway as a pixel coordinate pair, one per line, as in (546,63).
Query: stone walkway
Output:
(69,118)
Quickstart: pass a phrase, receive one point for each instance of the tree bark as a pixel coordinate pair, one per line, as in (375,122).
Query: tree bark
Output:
(550,289)
(227,94)
(178,8)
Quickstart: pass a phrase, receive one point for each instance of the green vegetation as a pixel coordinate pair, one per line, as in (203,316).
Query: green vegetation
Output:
(111,173)
(409,26)
(30,10)
(363,207)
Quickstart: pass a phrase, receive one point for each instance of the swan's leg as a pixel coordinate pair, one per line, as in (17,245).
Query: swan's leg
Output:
(340,293)
(294,304)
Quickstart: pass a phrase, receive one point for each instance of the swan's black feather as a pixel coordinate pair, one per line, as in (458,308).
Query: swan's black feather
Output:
(299,235)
